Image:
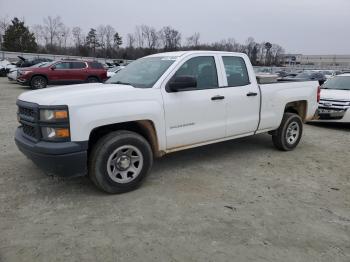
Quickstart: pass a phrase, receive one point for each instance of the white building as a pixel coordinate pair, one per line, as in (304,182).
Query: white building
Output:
(318,61)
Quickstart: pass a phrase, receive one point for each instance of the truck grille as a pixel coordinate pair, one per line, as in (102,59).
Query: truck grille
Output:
(29,130)
(28,118)
(27,112)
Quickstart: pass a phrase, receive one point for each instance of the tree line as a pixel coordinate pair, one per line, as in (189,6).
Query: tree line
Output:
(54,37)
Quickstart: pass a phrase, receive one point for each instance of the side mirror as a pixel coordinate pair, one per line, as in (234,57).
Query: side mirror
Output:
(182,83)
(53,67)
(321,81)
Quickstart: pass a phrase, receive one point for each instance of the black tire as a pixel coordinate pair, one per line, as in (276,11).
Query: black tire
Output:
(38,82)
(104,149)
(282,138)
(92,79)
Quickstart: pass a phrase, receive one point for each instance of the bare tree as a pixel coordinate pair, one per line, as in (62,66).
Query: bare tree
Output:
(171,38)
(4,23)
(138,37)
(150,36)
(63,36)
(110,31)
(101,35)
(268,47)
(78,36)
(276,54)
(39,34)
(130,40)
(52,28)
(193,40)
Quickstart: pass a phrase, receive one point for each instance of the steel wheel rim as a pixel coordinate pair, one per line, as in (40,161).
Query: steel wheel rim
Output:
(293,132)
(125,164)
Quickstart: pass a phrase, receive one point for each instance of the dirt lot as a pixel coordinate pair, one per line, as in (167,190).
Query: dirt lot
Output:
(235,201)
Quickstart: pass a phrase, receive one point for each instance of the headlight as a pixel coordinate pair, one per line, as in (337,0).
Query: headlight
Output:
(55,133)
(53,115)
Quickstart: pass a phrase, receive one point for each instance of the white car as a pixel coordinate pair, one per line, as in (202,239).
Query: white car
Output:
(334,104)
(158,104)
(5,66)
(13,74)
(112,71)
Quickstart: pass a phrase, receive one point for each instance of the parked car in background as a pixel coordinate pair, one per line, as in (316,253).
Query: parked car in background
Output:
(334,105)
(23,62)
(62,72)
(112,71)
(5,67)
(305,76)
(13,74)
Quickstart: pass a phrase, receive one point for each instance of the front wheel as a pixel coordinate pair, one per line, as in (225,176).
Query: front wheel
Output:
(289,133)
(38,82)
(120,161)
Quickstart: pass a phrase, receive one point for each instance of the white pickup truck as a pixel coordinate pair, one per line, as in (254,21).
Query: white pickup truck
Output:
(157,105)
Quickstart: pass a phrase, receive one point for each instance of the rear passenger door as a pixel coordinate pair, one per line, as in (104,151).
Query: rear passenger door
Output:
(77,72)
(242,96)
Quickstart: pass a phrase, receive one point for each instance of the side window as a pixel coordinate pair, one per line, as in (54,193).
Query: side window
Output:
(236,71)
(63,65)
(202,68)
(96,65)
(78,65)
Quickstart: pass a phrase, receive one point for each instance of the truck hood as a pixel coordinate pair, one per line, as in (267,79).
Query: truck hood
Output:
(85,94)
(335,94)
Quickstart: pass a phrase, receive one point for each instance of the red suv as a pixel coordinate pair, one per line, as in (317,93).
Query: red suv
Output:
(62,72)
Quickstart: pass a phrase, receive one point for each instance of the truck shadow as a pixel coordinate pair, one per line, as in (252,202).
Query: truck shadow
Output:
(334,126)
(233,150)
(223,151)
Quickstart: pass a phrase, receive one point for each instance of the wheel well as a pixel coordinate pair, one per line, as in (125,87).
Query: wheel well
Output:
(144,128)
(96,77)
(297,107)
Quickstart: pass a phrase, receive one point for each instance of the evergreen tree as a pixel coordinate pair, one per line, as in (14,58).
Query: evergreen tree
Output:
(18,38)
(92,41)
(118,41)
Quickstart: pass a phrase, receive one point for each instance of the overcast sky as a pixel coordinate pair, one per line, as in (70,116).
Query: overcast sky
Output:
(300,26)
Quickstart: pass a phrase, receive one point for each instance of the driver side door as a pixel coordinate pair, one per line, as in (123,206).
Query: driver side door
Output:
(59,73)
(196,115)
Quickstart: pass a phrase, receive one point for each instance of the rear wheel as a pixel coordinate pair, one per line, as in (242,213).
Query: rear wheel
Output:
(120,161)
(92,79)
(38,82)
(289,133)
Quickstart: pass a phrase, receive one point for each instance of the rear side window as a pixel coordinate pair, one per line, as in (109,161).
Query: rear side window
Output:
(202,68)
(236,71)
(62,65)
(78,65)
(96,65)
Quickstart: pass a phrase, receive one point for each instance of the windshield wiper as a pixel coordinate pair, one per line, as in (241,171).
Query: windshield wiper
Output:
(123,83)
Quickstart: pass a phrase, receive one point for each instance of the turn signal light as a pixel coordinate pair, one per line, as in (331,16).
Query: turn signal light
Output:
(61,114)
(62,132)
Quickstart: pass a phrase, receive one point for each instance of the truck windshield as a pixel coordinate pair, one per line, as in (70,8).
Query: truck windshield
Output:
(142,73)
(338,82)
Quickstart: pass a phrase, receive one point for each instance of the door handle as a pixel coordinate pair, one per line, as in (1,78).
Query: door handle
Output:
(252,94)
(214,98)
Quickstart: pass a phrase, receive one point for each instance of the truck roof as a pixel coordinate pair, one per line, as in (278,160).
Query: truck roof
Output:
(182,53)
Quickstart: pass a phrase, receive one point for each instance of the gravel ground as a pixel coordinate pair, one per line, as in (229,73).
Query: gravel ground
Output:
(235,201)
